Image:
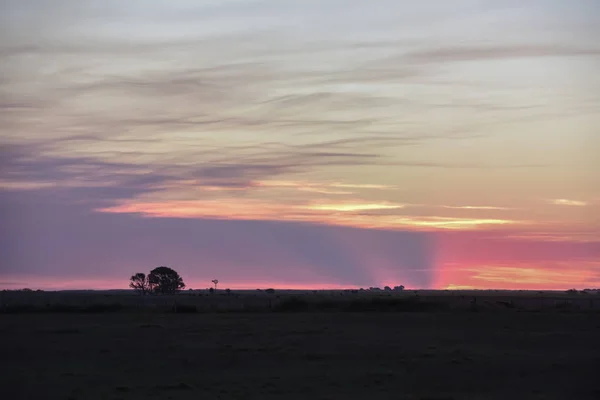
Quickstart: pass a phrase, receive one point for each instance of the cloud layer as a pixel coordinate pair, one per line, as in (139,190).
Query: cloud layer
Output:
(328,118)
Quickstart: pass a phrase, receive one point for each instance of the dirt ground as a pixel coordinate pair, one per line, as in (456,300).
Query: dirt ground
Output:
(469,355)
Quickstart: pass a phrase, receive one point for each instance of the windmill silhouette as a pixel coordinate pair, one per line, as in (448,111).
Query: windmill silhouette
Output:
(215,281)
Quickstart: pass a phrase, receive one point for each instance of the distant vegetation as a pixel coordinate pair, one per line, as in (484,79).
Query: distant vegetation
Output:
(271,300)
(167,283)
(163,280)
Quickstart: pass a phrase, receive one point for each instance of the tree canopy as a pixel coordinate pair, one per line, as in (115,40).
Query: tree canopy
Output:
(162,280)
(139,283)
(165,280)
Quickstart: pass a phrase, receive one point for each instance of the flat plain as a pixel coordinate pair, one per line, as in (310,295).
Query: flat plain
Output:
(437,354)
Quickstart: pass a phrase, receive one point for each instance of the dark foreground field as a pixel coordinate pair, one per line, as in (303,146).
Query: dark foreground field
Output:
(432,355)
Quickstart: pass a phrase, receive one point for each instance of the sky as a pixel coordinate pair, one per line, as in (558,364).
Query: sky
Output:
(300,143)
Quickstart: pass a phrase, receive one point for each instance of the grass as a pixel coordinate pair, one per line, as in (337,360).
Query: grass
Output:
(369,304)
(62,308)
(308,301)
(301,354)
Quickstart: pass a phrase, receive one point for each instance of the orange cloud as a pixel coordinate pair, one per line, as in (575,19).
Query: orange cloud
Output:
(476,208)
(351,213)
(361,186)
(324,188)
(451,223)
(355,206)
(323,191)
(567,202)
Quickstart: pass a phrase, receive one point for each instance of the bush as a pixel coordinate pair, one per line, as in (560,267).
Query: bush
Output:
(270,291)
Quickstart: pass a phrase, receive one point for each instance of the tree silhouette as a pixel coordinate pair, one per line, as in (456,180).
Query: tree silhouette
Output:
(139,283)
(165,280)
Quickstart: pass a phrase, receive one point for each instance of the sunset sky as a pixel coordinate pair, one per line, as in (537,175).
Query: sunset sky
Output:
(300,143)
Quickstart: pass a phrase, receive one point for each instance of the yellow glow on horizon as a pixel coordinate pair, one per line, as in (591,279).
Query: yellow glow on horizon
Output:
(541,275)
(530,275)
(452,286)
(345,207)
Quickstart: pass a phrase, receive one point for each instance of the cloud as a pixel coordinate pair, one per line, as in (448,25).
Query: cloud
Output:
(334,188)
(43,237)
(477,208)
(533,276)
(245,188)
(361,186)
(495,52)
(354,206)
(46,238)
(355,213)
(31,165)
(240,111)
(26,167)
(452,223)
(567,202)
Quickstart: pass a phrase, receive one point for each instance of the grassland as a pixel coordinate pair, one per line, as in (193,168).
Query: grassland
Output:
(505,345)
